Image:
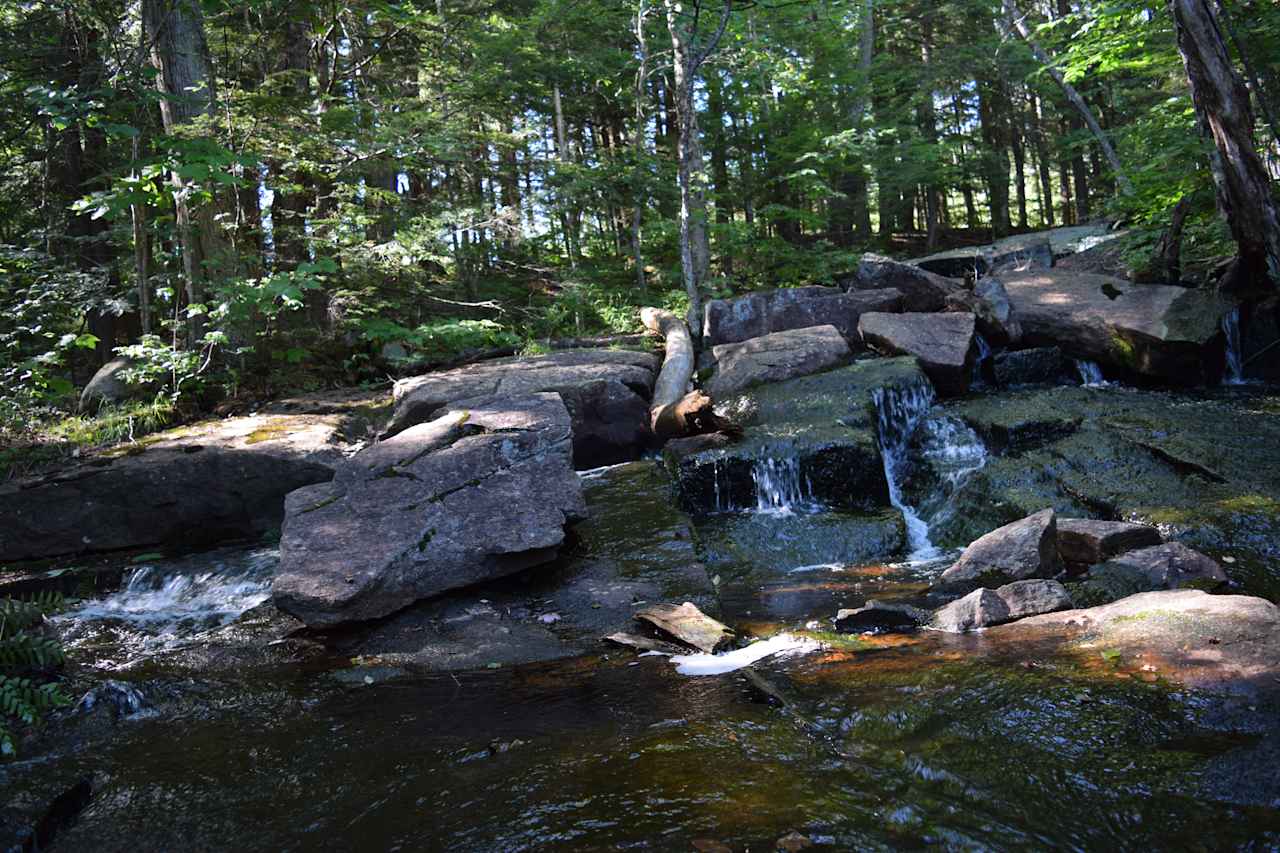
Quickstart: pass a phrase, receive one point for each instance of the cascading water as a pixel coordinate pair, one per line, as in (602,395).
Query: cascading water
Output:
(1235,357)
(1090,373)
(162,606)
(898,411)
(780,487)
(984,353)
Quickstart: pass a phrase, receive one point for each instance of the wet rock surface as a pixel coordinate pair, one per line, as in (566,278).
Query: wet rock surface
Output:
(817,430)
(1037,366)
(483,492)
(197,484)
(1201,468)
(728,321)
(1087,541)
(776,357)
(943,344)
(607,422)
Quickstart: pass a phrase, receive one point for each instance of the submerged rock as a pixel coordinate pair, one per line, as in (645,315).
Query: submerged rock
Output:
(983,608)
(1088,541)
(728,321)
(806,440)
(978,609)
(776,357)
(878,617)
(481,493)
(1027,548)
(942,342)
(1152,330)
(921,290)
(195,485)
(605,391)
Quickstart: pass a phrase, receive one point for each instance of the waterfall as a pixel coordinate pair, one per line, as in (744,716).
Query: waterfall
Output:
(1090,374)
(898,411)
(780,488)
(1235,357)
(984,353)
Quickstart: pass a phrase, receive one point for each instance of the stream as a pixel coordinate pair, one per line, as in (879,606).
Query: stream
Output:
(888,742)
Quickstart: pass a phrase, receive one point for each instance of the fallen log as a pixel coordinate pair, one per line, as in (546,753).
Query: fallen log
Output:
(672,387)
(471,356)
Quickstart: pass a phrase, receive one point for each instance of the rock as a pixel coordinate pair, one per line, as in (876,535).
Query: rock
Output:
(995,314)
(881,617)
(978,609)
(1219,643)
(727,321)
(775,357)
(1038,366)
(1087,541)
(1161,331)
(1171,565)
(1027,548)
(115,698)
(818,432)
(1020,255)
(921,290)
(605,423)
(1012,254)
(194,485)
(394,351)
(107,387)
(942,342)
(427,511)
(687,624)
(1033,597)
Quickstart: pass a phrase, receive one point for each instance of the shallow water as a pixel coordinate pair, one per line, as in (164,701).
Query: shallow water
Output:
(922,741)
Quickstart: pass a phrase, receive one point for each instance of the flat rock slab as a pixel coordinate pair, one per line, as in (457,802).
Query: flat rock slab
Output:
(728,321)
(1036,366)
(195,485)
(481,493)
(817,432)
(606,392)
(984,608)
(922,291)
(942,342)
(1089,541)
(881,617)
(776,357)
(1145,329)
(688,624)
(1027,548)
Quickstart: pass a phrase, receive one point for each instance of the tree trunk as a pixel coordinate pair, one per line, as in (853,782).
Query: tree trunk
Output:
(175,30)
(1222,103)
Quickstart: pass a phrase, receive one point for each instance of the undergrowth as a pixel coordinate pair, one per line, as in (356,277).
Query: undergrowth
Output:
(26,658)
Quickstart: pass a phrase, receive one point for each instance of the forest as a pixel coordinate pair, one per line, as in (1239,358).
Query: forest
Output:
(246,198)
(721,425)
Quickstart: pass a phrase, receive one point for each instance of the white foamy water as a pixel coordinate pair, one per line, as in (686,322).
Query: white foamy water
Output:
(898,411)
(779,645)
(780,486)
(1090,374)
(1235,355)
(166,604)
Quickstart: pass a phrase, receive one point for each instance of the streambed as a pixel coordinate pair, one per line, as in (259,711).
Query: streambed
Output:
(257,737)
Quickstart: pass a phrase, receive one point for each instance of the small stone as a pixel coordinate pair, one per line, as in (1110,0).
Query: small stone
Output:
(792,842)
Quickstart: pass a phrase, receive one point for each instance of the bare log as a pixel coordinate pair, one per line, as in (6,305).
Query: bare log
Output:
(677,367)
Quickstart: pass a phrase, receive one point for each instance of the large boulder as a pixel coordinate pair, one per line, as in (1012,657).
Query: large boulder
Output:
(921,290)
(942,342)
(1027,548)
(1168,566)
(194,485)
(1166,332)
(727,321)
(610,421)
(775,357)
(1087,541)
(810,439)
(107,387)
(480,493)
